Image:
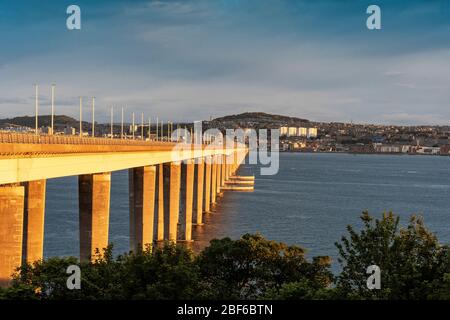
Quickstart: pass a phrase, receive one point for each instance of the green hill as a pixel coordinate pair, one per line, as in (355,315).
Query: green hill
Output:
(259,119)
(44,121)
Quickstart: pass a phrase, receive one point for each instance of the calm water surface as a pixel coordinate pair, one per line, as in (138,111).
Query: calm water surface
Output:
(309,202)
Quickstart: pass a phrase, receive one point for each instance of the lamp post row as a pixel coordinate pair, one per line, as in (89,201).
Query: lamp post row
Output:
(159,125)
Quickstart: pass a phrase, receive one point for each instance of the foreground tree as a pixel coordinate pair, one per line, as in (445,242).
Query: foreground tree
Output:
(252,266)
(413,264)
(166,273)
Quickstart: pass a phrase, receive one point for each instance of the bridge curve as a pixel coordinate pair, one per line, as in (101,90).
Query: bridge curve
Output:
(169,183)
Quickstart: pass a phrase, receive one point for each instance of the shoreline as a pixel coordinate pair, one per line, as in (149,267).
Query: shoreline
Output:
(368,153)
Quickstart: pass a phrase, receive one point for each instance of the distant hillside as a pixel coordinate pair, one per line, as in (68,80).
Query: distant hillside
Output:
(260,119)
(44,121)
(247,119)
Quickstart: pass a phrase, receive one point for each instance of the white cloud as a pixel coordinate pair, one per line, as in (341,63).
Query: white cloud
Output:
(182,61)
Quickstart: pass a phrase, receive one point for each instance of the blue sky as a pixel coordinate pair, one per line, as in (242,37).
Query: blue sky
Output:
(189,60)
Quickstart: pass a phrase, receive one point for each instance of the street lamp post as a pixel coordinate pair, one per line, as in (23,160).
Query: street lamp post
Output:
(121,126)
(53,108)
(93,116)
(169,136)
(132,127)
(149,128)
(36,106)
(112,122)
(81,116)
(142,126)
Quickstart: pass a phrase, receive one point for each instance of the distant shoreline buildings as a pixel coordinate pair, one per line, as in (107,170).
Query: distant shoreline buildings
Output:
(296,134)
(366,139)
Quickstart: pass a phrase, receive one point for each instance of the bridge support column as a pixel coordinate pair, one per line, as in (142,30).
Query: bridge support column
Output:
(227,168)
(208,184)
(142,207)
(174,198)
(94,199)
(219,173)
(234,165)
(33,238)
(160,225)
(200,182)
(213,180)
(189,200)
(223,170)
(11,230)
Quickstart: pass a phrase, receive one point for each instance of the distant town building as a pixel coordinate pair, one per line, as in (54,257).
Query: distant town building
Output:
(378,139)
(428,150)
(284,147)
(302,132)
(298,132)
(292,132)
(134,128)
(15,128)
(388,148)
(312,132)
(69,131)
(46,130)
(298,145)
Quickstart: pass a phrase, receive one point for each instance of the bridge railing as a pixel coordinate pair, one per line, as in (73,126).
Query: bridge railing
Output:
(31,138)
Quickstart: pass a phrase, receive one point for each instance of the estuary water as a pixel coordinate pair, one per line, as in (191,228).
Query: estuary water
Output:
(309,202)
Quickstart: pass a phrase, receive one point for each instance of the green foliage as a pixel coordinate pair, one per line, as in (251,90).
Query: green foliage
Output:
(245,268)
(168,272)
(413,266)
(300,290)
(44,280)
(413,263)
(248,267)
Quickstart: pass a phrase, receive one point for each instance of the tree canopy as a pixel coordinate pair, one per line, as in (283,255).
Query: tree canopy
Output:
(412,262)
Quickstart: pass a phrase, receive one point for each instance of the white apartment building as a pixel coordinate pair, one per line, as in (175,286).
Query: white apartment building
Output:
(298,132)
(312,132)
(302,132)
(292,132)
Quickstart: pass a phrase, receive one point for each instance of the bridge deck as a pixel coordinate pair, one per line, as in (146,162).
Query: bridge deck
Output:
(17,144)
(27,157)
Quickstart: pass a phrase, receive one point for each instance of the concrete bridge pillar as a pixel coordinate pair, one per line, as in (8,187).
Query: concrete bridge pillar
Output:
(11,230)
(213,180)
(94,200)
(160,200)
(142,206)
(34,212)
(227,168)
(219,173)
(189,199)
(208,169)
(235,164)
(223,170)
(200,186)
(174,200)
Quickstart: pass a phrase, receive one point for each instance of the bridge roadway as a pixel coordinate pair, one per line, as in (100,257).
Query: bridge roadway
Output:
(171,186)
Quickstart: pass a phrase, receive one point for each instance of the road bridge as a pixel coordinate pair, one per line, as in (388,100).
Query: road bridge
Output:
(171,186)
